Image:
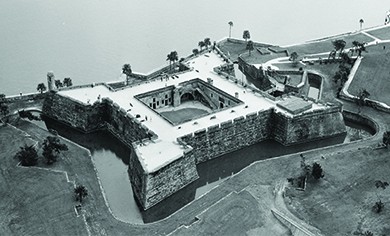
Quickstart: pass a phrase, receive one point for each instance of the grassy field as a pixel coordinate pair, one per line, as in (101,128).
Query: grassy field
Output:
(183,115)
(326,44)
(373,74)
(343,199)
(383,33)
(33,201)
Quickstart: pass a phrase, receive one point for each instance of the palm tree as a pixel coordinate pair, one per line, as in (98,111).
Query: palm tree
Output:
(172,57)
(195,51)
(41,87)
(361,48)
(80,192)
(201,44)
(361,21)
(58,83)
(362,95)
(126,69)
(27,155)
(67,82)
(207,42)
(246,35)
(249,46)
(230,28)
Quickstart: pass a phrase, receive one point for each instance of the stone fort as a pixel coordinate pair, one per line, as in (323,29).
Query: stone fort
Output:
(166,146)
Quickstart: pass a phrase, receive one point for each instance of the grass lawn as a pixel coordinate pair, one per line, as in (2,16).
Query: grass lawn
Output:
(373,74)
(343,199)
(326,45)
(383,33)
(183,115)
(33,201)
(234,49)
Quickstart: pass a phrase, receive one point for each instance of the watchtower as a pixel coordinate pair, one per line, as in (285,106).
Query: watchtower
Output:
(50,80)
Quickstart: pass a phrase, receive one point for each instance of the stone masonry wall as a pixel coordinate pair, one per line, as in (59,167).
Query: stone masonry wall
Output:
(100,115)
(244,131)
(308,126)
(85,117)
(171,178)
(229,135)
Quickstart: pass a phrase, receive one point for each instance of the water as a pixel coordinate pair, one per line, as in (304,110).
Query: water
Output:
(111,159)
(90,40)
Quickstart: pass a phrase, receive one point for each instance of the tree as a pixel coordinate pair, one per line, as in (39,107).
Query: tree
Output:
(339,45)
(4,110)
(361,21)
(195,51)
(41,87)
(201,45)
(27,155)
(249,46)
(52,147)
(345,58)
(67,82)
(246,35)
(294,57)
(230,28)
(368,233)
(58,83)
(207,42)
(172,57)
(80,192)
(386,138)
(126,69)
(379,205)
(342,74)
(362,95)
(381,184)
(317,171)
(361,48)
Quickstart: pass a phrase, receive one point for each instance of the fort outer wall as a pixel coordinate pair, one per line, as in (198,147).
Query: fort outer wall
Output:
(149,188)
(152,188)
(235,134)
(205,144)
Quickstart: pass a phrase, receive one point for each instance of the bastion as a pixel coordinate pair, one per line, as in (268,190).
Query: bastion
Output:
(173,123)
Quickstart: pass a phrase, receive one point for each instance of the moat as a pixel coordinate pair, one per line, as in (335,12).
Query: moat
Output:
(111,159)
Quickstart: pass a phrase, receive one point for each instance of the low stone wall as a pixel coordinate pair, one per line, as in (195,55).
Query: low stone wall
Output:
(25,97)
(152,188)
(362,120)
